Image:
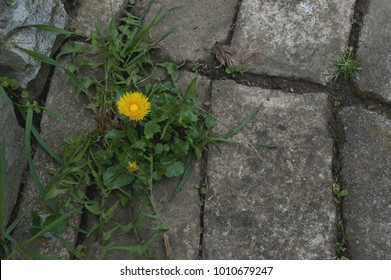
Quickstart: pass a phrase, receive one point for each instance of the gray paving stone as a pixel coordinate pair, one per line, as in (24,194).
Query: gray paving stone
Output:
(85,17)
(373,50)
(270,203)
(200,24)
(14,62)
(299,39)
(62,99)
(367,176)
(15,157)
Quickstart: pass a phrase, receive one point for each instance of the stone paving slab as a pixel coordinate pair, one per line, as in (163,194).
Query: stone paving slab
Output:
(15,157)
(300,38)
(200,24)
(270,203)
(62,99)
(367,177)
(87,13)
(374,50)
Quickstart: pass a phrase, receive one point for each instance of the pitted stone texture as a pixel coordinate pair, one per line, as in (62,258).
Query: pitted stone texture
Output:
(200,24)
(89,12)
(15,157)
(270,203)
(62,99)
(374,50)
(297,38)
(367,177)
(13,62)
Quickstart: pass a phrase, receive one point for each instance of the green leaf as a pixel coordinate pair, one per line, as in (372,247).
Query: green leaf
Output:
(188,168)
(172,70)
(107,234)
(161,228)
(94,207)
(116,177)
(343,193)
(191,91)
(53,191)
(174,169)
(109,213)
(59,227)
(51,28)
(115,134)
(150,129)
(40,57)
(10,2)
(33,171)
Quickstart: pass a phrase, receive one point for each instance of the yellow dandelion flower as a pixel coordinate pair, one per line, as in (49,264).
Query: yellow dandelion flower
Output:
(134,105)
(132,166)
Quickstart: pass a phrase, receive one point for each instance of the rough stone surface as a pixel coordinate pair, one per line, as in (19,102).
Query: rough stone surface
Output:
(367,177)
(13,62)
(15,156)
(87,13)
(200,24)
(374,57)
(270,203)
(300,38)
(62,99)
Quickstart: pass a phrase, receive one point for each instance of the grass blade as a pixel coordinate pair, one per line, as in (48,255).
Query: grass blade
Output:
(40,57)
(4,96)
(42,142)
(49,228)
(2,180)
(50,28)
(238,128)
(188,168)
(33,171)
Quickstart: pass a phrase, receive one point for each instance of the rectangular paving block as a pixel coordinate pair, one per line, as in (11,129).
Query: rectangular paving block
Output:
(61,99)
(366,174)
(299,38)
(88,13)
(270,203)
(199,25)
(15,159)
(374,50)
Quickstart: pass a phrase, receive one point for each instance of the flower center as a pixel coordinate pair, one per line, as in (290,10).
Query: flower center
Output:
(134,107)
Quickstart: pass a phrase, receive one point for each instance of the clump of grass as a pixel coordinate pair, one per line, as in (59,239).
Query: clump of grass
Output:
(346,65)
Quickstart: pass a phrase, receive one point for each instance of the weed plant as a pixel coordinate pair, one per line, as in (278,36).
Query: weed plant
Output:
(346,65)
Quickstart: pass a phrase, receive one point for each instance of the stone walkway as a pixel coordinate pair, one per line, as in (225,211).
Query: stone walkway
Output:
(271,203)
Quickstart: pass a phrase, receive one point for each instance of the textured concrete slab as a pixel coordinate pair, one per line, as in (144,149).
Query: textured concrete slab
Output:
(62,99)
(374,57)
(367,176)
(88,12)
(300,38)
(15,157)
(200,24)
(270,203)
